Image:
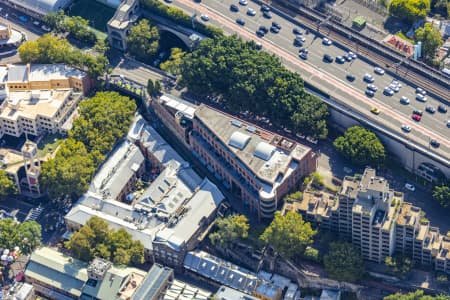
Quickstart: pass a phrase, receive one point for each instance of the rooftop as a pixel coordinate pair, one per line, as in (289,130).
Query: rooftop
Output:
(152,283)
(181,290)
(266,154)
(316,203)
(227,293)
(179,105)
(47,72)
(408,215)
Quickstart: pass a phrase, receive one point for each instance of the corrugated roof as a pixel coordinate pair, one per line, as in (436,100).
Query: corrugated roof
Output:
(17,73)
(155,278)
(239,140)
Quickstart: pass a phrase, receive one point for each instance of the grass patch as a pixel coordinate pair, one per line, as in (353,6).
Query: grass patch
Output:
(400,34)
(49,143)
(95,12)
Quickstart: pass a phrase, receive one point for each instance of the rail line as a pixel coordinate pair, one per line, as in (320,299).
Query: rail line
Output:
(311,19)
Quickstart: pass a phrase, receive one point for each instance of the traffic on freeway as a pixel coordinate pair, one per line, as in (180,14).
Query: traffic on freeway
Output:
(344,76)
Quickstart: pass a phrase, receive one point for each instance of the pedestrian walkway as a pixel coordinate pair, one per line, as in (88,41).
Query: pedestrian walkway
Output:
(34,214)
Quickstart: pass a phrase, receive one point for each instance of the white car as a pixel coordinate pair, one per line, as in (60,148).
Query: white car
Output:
(406,128)
(45,28)
(301,38)
(421,91)
(204,18)
(251,12)
(388,92)
(410,187)
(448,123)
(372,87)
(404,100)
(243,2)
(352,55)
(326,41)
(368,78)
(421,98)
(378,71)
(394,87)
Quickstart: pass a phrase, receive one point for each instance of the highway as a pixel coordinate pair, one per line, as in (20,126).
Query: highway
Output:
(331,76)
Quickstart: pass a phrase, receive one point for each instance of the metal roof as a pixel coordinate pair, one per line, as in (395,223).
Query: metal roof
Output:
(17,73)
(153,281)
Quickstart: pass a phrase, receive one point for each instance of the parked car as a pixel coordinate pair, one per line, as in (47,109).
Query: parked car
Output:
(258,46)
(326,41)
(264,29)
(410,187)
(275,24)
(328,58)
(267,15)
(370,93)
(204,18)
(404,100)
(303,55)
(368,78)
(251,12)
(297,31)
(406,128)
(421,98)
(372,87)
(340,59)
(265,8)
(388,92)
(442,108)
(418,112)
(421,91)
(234,8)
(274,29)
(430,109)
(416,118)
(243,2)
(260,33)
(350,77)
(240,21)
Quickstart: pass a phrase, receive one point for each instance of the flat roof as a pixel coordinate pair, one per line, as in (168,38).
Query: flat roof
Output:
(47,72)
(156,277)
(265,154)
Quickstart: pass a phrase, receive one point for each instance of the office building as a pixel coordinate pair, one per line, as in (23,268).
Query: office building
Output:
(258,166)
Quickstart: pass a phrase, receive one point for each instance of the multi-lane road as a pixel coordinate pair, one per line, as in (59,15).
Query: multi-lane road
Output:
(331,76)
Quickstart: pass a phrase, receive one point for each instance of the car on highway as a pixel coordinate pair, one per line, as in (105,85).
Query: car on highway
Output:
(251,12)
(265,8)
(234,8)
(378,71)
(435,143)
(240,21)
(410,187)
(328,58)
(297,31)
(340,59)
(274,29)
(406,128)
(368,78)
(204,18)
(421,98)
(303,55)
(416,118)
(442,108)
(375,110)
(430,109)
(326,41)
(243,2)
(263,29)
(275,24)
(388,91)
(350,77)
(370,93)
(404,100)
(421,91)
(417,112)
(267,15)
(372,87)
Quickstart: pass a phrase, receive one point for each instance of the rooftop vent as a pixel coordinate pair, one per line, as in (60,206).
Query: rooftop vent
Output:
(251,129)
(236,123)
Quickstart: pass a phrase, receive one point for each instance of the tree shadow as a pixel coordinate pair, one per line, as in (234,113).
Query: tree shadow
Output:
(394,25)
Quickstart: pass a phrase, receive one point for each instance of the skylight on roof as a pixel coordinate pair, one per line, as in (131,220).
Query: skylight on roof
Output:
(264,151)
(239,140)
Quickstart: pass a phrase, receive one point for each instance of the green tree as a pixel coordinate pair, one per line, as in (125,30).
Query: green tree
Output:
(409,10)
(289,235)
(294,197)
(7,185)
(399,264)
(143,40)
(150,87)
(361,146)
(229,230)
(69,172)
(247,79)
(172,65)
(441,193)
(55,20)
(27,235)
(417,295)
(104,119)
(157,88)
(78,28)
(344,262)
(431,39)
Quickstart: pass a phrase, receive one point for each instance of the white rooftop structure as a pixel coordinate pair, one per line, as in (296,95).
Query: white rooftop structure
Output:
(186,108)
(238,140)
(41,7)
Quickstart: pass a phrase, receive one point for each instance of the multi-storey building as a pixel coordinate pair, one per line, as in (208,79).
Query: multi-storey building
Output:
(377,221)
(258,166)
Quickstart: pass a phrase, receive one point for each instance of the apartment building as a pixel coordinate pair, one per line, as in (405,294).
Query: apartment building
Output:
(377,221)
(258,166)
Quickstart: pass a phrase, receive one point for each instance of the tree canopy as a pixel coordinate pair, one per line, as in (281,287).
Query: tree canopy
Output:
(143,41)
(26,235)
(247,79)
(172,65)
(288,234)
(230,229)
(417,295)
(431,39)
(409,10)
(399,264)
(96,239)
(51,49)
(76,26)
(7,185)
(344,262)
(441,193)
(361,146)
(69,172)
(103,120)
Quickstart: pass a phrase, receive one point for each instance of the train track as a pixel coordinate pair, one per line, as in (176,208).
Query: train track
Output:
(312,19)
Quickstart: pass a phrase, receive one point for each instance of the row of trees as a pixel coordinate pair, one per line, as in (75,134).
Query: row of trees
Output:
(7,185)
(76,26)
(26,235)
(103,120)
(247,79)
(96,239)
(291,238)
(180,17)
(51,49)
(417,295)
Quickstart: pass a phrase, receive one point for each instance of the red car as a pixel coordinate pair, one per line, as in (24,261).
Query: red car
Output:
(416,117)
